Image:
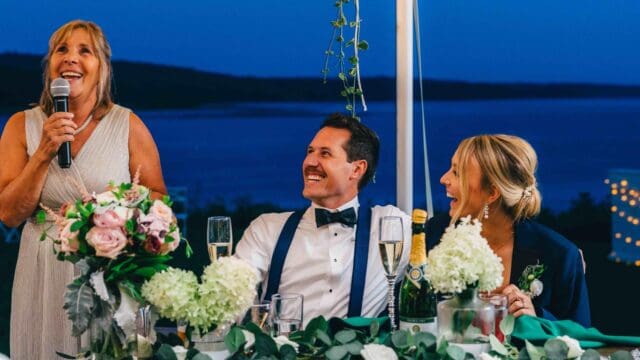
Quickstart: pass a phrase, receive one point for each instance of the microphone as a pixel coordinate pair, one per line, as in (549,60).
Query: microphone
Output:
(60,90)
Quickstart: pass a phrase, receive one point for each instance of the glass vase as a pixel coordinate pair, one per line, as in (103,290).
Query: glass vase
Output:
(105,343)
(467,321)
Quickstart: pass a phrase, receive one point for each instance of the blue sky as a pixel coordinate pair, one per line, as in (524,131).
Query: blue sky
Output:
(496,40)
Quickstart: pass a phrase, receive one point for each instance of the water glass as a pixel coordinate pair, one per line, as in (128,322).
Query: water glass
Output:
(143,344)
(286,313)
(219,237)
(260,315)
(501,310)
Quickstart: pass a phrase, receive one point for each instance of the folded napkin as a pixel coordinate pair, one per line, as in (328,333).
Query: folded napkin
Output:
(538,330)
(359,323)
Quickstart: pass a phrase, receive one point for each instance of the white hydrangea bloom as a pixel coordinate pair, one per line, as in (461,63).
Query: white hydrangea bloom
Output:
(227,289)
(378,352)
(575,351)
(172,292)
(462,258)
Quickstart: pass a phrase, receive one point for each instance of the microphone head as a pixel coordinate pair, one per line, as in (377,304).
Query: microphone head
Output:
(60,87)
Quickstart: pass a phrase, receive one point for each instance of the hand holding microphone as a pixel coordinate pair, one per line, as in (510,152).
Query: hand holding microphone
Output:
(60,90)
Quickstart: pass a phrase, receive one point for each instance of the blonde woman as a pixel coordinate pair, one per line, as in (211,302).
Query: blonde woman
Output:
(492,178)
(108,142)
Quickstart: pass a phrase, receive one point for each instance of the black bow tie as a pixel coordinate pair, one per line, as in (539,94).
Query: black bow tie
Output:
(346,217)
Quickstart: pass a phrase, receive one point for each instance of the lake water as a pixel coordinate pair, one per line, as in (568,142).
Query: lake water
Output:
(255,150)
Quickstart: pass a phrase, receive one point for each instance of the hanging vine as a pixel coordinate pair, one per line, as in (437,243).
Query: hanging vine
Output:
(348,67)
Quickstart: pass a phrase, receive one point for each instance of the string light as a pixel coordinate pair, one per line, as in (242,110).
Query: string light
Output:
(624,187)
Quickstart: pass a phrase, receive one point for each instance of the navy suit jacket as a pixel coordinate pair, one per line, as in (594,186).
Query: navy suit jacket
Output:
(564,296)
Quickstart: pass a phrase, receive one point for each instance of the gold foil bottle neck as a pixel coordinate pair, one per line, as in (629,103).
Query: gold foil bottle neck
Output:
(419,216)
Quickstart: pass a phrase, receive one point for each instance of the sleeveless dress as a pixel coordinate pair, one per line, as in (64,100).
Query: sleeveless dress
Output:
(39,324)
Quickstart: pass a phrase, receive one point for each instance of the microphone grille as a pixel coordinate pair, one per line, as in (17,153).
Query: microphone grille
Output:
(60,87)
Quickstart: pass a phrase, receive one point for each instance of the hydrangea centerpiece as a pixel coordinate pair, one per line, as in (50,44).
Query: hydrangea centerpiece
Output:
(462,264)
(226,291)
(464,259)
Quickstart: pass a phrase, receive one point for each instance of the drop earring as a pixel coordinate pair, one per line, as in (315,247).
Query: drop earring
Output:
(485,211)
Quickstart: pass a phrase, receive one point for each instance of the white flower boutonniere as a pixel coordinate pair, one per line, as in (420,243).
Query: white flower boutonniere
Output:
(529,281)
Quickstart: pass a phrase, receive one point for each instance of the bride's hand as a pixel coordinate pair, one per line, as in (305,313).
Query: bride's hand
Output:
(519,303)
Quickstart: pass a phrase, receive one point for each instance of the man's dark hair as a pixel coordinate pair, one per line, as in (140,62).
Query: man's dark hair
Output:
(363,144)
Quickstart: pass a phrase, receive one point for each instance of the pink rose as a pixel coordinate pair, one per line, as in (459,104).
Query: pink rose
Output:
(111,217)
(152,224)
(108,242)
(68,239)
(161,211)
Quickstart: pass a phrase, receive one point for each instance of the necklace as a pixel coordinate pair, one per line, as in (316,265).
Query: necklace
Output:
(84,124)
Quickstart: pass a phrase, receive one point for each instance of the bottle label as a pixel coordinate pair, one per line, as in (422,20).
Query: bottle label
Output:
(415,274)
(429,325)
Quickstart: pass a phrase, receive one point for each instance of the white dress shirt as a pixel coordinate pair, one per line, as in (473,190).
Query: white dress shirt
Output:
(320,260)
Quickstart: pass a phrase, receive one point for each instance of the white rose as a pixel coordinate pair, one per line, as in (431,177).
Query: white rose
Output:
(378,352)
(107,197)
(485,356)
(250,338)
(180,351)
(575,351)
(283,340)
(536,288)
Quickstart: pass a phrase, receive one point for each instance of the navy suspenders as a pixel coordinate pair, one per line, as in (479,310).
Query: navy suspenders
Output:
(360,256)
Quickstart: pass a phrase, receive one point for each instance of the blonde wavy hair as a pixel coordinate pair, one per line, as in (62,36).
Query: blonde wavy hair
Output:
(507,162)
(103,53)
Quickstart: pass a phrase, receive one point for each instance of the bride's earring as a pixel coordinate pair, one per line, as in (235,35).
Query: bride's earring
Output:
(485,211)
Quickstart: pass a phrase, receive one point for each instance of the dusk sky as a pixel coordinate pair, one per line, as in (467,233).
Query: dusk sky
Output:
(496,40)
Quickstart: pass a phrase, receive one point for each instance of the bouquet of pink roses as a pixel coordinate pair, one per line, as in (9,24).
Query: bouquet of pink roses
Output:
(118,239)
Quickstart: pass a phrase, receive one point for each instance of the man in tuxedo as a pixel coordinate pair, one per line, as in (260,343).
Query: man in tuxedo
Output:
(329,251)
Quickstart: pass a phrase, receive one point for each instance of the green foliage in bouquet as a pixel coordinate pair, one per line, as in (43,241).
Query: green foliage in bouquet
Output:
(117,240)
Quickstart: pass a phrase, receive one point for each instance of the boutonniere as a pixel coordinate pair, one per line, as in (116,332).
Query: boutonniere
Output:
(529,281)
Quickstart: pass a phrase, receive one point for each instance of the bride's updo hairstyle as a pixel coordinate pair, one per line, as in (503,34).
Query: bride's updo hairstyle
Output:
(507,162)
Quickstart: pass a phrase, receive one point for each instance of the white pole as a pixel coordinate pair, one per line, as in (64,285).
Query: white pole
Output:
(404,104)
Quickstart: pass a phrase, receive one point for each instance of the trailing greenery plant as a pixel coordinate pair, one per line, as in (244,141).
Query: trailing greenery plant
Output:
(344,46)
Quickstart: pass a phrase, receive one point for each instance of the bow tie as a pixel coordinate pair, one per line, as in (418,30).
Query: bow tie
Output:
(346,217)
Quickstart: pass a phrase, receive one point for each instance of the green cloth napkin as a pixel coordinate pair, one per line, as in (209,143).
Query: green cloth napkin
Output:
(538,330)
(358,323)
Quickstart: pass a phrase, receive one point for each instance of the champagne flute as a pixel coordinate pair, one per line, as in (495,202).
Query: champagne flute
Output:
(219,237)
(390,245)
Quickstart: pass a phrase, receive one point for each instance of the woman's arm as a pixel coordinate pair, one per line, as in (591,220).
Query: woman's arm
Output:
(22,177)
(143,154)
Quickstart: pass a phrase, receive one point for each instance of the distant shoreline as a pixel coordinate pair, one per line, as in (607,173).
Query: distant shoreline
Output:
(152,86)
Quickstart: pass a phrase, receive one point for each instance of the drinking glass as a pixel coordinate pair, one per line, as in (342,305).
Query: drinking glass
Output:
(260,315)
(286,313)
(219,237)
(143,343)
(390,245)
(500,310)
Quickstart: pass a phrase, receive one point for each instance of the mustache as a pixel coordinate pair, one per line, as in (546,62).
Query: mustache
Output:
(312,170)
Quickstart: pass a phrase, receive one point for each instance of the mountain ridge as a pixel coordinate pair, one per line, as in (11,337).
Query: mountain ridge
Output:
(153,86)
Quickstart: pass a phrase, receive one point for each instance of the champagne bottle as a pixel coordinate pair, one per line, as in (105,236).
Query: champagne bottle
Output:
(417,298)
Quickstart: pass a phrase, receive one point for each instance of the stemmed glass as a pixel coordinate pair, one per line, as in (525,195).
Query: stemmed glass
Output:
(219,237)
(390,244)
